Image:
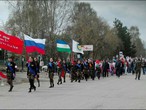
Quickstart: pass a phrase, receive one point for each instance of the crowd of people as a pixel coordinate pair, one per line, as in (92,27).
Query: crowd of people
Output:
(78,69)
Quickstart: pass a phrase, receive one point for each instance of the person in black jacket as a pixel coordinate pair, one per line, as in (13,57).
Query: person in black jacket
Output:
(31,73)
(91,70)
(105,67)
(51,69)
(138,69)
(79,70)
(119,68)
(64,70)
(38,70)
(86,68)
(133,64)
(10,72)
(73,72)
(59,70)
(98,70)
(144,67)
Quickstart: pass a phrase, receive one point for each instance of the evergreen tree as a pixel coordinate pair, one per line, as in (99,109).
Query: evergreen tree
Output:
(123,33)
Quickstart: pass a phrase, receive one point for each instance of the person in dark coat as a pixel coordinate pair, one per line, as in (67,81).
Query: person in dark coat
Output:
(98,71)
(51,69)
(144,67)
(105,67)
(86,69)
(59,70)
(133,64)
(138,69)
(38,70)
(119,68)
(31,73)
(64,69)
(79,70)
(68,63)
(73,72)
(91,70)
(10,72)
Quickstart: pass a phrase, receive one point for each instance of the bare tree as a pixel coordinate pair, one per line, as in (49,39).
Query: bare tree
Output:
(40,19)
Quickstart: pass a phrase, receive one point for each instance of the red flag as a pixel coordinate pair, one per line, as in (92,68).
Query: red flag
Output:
(62,73)
(11,43)
(3,75)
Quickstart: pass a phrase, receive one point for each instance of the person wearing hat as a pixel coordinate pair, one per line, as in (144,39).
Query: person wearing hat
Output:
(10,72)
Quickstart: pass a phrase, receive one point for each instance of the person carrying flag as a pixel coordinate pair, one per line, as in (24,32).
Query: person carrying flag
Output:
(10,70)
(51,69)
(31,73)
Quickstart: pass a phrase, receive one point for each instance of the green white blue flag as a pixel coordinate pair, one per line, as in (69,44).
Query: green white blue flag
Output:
(62,46)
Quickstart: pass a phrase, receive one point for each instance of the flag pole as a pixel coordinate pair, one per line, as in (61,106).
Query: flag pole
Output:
(72,53)
(24,49)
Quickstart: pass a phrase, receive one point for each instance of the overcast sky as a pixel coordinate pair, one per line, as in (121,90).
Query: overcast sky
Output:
(131,13)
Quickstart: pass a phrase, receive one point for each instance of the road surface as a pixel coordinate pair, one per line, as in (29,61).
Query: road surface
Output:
(108,93)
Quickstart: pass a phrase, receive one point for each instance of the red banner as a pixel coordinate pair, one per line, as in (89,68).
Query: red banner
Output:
(3,75)
(11,43)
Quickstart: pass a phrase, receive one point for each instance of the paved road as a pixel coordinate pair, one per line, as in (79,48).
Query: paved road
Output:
(112,92)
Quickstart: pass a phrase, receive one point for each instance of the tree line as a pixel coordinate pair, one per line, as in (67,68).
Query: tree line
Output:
(67,20)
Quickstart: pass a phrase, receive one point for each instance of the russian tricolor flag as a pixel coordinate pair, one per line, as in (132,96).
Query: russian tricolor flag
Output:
(34,45)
